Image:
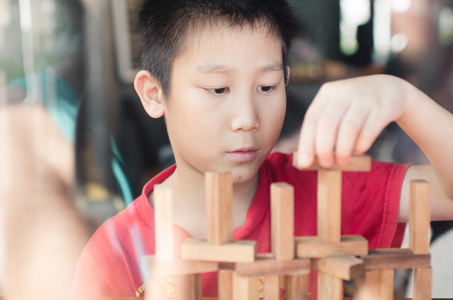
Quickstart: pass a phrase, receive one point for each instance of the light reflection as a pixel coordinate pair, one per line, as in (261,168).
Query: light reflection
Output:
(4,13)
(445,24)
(399,42)
(382,31)
(401,6)
(48,7)
(353,14)
(28,51)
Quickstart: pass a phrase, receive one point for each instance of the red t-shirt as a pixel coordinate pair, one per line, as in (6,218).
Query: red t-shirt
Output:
(110,263)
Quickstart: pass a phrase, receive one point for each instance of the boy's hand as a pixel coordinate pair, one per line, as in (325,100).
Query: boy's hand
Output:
(43,231)
(347,116)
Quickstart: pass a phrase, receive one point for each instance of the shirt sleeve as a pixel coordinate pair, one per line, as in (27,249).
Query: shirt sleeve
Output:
(104,269)
(371,204)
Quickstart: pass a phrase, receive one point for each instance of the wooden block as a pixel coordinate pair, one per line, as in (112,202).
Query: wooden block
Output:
(236,251)
(156,288)
(419,217)
(225,282)
(163,223)
(387,283)
(356,163)
(329,287)
(282,221)
(313,247)
(329,205)
(198,283)
(368,286)
(271,287)
(245,288)
(265,264)
(219,207)
(151,267)
(422,284)
(375,285)
(344,267)
(395,259)
(188,287)
(297,287)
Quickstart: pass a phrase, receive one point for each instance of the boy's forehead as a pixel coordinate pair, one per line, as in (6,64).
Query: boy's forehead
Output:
(222,29)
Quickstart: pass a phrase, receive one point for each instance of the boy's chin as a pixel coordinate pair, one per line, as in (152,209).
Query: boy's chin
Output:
(241,176)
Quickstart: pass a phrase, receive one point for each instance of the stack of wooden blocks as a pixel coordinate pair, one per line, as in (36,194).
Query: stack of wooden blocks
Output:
(335,257)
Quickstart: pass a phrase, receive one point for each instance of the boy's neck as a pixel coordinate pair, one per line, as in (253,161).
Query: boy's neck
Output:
(189,205)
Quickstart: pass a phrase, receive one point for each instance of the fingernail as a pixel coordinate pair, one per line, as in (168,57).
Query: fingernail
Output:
(303,159)
(326,162)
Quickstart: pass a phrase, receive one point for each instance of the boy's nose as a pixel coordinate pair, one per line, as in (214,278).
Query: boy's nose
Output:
(245,115)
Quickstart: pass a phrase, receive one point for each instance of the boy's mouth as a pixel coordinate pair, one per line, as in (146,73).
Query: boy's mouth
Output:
(243,155)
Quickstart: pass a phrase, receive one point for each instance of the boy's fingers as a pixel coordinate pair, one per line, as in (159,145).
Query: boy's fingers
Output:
(306,146)
(325,139)
(347,137)
(349,131)
(327,131)
(373,126)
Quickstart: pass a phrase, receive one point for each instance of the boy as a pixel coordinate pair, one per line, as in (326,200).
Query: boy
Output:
(217,71)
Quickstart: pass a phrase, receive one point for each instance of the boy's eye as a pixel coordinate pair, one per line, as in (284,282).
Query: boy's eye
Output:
(218,91)
(266,88)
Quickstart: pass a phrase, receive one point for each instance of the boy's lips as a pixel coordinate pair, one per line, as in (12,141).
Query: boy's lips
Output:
(243,155)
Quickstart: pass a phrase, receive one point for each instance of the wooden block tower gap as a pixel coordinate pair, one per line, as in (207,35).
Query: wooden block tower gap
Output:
(281,261)
(219,245)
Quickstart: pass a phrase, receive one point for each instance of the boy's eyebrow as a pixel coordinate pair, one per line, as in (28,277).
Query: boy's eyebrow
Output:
(212,68)
(218,68)
(273,67)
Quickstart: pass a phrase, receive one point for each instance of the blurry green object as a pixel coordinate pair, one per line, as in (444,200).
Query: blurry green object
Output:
(56,96)
(62,102)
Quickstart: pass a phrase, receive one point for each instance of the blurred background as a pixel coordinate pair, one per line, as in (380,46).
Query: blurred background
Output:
(77,147)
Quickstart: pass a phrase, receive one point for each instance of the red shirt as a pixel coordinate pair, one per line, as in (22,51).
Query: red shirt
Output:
(110,263)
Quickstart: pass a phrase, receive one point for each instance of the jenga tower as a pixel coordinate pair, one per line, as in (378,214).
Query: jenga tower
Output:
(334,256)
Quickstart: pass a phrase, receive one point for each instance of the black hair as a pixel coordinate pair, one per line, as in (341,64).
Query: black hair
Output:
(165,24)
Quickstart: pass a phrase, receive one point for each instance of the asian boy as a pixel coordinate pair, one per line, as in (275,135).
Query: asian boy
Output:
(217,72)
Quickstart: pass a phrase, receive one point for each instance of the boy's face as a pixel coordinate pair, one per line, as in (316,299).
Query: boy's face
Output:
(227,101)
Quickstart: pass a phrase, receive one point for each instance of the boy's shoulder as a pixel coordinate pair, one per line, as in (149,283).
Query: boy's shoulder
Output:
(136,216)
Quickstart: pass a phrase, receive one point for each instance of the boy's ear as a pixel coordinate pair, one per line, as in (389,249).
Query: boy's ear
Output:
(150,93)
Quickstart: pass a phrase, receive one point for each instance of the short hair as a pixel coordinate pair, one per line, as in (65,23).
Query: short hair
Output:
(164,26)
